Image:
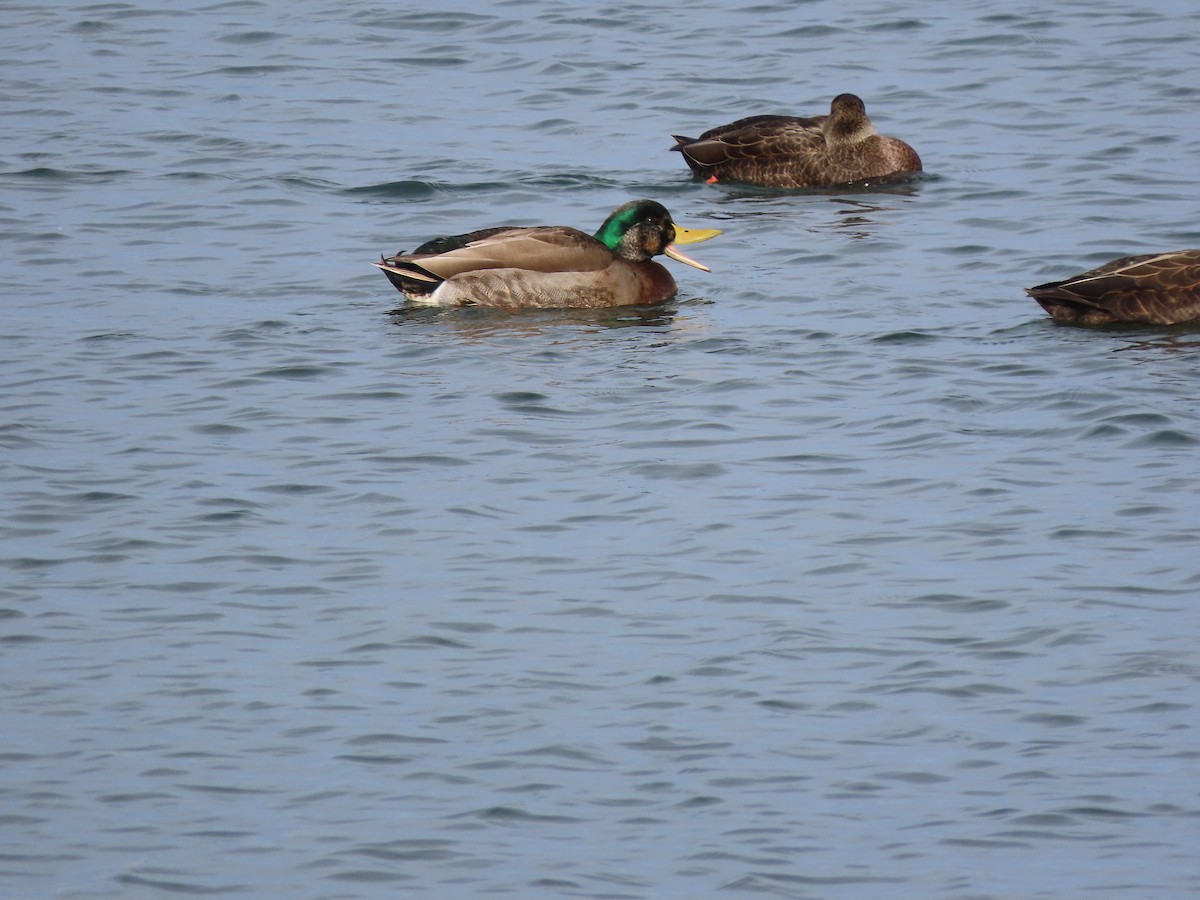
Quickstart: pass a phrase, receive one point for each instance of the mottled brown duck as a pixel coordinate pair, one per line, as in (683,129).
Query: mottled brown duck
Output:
(793,152)
(1154,288)
(550,266)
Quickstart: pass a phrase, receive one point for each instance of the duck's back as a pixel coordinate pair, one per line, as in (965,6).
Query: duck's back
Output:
(752,138)
(1153,288)
(556,248)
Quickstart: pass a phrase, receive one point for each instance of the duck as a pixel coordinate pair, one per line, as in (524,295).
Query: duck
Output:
(550,266)
(795,152)
(1152,288)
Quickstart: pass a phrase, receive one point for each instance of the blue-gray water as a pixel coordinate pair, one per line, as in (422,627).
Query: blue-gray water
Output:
(845,575)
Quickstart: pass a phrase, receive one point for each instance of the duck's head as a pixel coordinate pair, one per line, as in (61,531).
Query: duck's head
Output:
(847,122)
(643,228)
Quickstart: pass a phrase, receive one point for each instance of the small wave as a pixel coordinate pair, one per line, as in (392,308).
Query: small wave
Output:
(241,71)
(409,189)
(48,173)
(418,189)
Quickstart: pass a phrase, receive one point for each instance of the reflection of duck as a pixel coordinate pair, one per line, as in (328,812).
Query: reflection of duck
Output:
(791,152)
(1157,288)
(552,266)
(486,321)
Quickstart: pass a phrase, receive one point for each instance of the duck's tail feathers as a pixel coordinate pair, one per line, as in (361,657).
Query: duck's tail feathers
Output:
(407,276)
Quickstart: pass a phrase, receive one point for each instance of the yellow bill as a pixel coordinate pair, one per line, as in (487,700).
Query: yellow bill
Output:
(689,236)
(694,235)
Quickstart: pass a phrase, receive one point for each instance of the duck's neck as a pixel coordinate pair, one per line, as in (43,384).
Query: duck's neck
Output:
(847,131)
(611,232)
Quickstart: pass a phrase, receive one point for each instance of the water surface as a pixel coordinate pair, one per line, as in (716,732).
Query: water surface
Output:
(846,574)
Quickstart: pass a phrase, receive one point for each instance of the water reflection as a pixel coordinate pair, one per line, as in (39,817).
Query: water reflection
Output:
(857,216)
(478,321)
(859,220)
(908,187)
(1183,338)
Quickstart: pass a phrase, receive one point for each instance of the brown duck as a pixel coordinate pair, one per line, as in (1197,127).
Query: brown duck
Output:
(550,266)
(1156,288)
(793,152)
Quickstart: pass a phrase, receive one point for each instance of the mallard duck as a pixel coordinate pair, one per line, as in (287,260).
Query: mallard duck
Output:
(793,152)
(550,266)
(1155,288)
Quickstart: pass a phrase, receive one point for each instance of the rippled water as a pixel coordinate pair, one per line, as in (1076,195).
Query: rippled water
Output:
(847,574)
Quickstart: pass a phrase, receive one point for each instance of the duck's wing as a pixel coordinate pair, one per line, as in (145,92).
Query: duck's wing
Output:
(759,137)
(1179,269)
(541,249)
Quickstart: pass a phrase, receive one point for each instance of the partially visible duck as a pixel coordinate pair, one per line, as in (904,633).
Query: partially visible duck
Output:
(793,152)
(1155,288)
(552,266)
